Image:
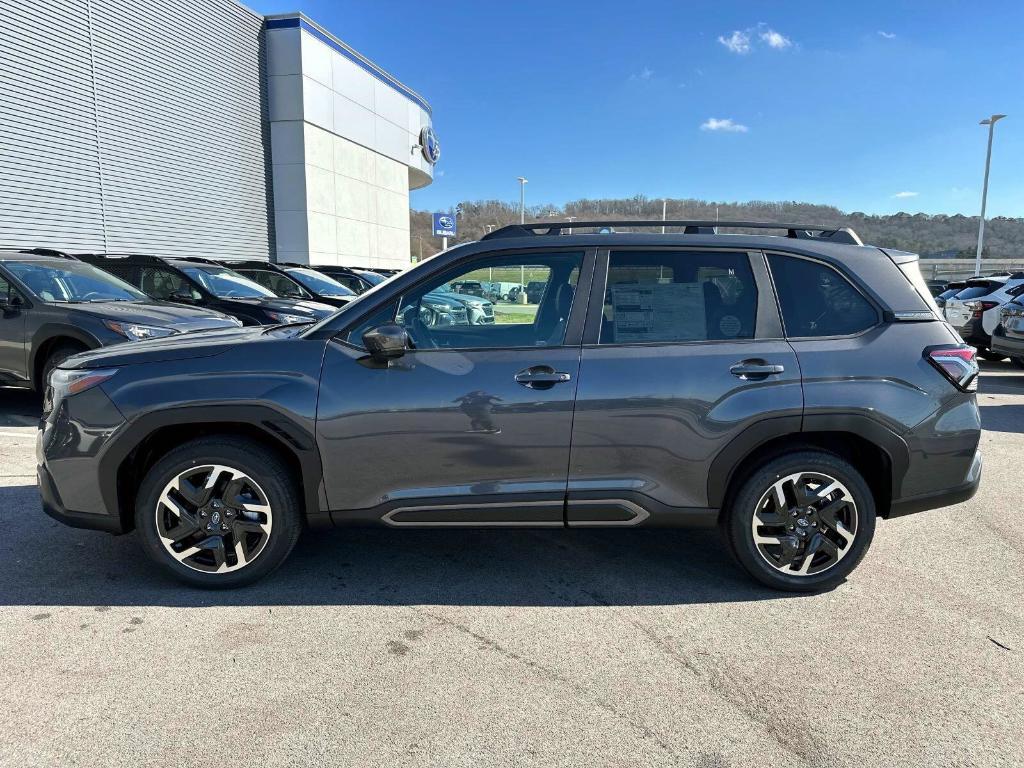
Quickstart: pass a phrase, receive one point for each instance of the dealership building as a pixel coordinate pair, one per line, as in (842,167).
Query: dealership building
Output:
(199,127)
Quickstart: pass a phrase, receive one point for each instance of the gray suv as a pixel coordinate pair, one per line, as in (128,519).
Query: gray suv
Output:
(789,389)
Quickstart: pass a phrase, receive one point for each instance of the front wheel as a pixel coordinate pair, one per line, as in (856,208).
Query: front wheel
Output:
(218,512)
(801,522)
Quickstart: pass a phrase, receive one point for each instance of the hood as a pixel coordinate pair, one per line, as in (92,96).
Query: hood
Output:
(313,309)
(170,348)
(182,318)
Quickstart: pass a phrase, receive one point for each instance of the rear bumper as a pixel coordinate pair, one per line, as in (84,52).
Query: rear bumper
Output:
(944,498)
(974,334)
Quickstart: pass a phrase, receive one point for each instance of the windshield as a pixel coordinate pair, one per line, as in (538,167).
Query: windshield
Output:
(319,283)
(226,283)
(72,283)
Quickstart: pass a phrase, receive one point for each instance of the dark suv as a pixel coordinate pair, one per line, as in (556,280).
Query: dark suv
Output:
(207,283)
(787,389)
(53,306)
(295,281)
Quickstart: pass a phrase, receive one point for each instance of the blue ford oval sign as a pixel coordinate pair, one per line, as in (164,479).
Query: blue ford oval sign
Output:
(429,145)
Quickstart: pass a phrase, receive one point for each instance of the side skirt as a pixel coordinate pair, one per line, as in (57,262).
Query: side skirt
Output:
(614,511)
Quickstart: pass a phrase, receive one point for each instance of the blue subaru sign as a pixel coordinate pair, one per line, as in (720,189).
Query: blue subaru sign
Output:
(444,225)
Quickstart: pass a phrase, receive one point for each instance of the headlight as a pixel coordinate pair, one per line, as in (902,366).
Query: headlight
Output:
(137,332)
(65,382)
(281,317)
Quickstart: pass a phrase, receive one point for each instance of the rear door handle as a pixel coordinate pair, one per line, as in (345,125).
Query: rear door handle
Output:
(541,377)
(755,369)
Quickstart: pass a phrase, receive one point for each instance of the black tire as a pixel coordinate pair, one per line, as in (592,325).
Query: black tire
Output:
(56,356)
(739,520)
(988,354)
(245,456)
(1018,362)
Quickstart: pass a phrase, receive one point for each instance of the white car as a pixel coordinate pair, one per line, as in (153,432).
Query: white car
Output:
(974,311)
(1011,289)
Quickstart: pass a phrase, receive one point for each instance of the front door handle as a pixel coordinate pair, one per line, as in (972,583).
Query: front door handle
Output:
(755,370)
(541,377)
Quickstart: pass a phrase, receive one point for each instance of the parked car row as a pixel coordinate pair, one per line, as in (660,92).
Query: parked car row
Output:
(980,308)
(56,304)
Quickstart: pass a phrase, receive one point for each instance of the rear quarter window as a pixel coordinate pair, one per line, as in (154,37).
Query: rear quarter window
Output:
(816,300)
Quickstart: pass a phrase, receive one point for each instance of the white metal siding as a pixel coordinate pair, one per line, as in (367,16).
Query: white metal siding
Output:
(134,125)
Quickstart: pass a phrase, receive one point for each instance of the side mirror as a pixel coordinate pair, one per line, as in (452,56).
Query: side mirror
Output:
(12,304)
(185,297)
(386,342)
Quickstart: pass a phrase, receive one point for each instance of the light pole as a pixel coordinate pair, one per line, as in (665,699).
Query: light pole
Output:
(522,199)
(991,123)
(664,205)
(571,219)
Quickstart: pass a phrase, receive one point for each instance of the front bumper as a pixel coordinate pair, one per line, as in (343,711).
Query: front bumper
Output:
(53,505)
(69,446)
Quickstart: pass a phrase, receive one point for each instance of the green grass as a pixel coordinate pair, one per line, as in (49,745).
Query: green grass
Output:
(511,313)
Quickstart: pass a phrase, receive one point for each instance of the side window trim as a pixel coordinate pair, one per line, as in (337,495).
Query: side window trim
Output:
(879,314)
(767,312)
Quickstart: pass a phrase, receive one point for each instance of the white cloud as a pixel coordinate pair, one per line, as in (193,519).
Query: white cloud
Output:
(725,124)
(644,74)
(737,42)
(901,195)
(438,174)
(775,40)
(741,41)
(886,35)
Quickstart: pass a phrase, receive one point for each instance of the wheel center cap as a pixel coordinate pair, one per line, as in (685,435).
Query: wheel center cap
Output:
(802,522)
(215,517)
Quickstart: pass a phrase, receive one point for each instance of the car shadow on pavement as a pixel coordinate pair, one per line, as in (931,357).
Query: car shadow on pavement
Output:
(46,563)
(19,408)
(1002,418)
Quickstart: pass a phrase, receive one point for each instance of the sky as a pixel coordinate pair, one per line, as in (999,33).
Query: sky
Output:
(870,106)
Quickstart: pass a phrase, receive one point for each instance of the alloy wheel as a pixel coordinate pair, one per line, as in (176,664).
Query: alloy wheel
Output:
(805,523)
(213,518)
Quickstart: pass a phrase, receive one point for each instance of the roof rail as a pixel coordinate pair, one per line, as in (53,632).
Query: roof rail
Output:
(144,258)
(796,231)
(47,252)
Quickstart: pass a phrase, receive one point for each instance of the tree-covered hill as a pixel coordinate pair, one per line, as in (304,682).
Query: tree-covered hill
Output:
(922,233)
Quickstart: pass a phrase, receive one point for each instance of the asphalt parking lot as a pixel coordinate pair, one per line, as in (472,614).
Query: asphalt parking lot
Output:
(477,648)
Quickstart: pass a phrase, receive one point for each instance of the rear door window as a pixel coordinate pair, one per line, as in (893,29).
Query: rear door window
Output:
(816,300)
(678,296)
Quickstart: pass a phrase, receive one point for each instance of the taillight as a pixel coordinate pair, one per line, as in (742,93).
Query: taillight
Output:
(957,363)
(980,307)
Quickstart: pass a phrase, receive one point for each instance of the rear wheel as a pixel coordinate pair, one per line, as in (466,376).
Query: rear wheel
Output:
(218,512)
(801,522)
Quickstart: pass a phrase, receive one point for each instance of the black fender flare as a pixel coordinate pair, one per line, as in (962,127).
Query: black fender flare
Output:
(49,331)
(281,428)
(724,465)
